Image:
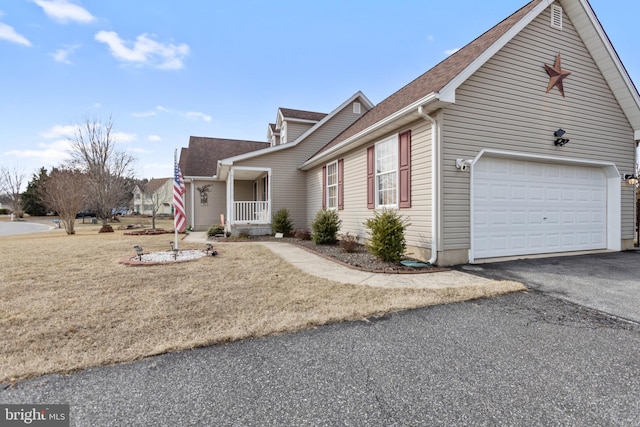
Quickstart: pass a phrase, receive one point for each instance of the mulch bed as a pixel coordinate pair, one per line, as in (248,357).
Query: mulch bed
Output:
(360,259)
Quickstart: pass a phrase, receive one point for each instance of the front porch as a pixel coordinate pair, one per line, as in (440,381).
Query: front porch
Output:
(248,201)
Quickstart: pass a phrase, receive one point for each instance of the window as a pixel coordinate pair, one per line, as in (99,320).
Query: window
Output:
(386,153)
(332,185)
(389,172)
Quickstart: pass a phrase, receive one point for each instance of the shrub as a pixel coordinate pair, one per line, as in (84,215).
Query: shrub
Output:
(303,234)
(5,211)
(349,243)
(325,227)
(281,223)
(215,229)
(244,234)
(386,235)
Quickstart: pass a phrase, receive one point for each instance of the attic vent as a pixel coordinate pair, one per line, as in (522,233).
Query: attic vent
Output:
(556,17)
(356,108)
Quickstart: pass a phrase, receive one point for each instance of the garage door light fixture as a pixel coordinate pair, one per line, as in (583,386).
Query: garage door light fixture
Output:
(560,141)
(630,178)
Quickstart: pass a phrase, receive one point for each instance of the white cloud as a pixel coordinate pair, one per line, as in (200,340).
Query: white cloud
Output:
(154,138)
(145,50)
(450,52)
(62,55)
(69,131)
(124,137)
(59,131)
(191,115)
(54,152)
(8,33)
(63,11)
(194,115)
(145,114)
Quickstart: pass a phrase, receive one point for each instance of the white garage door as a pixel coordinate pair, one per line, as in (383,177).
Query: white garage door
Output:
(524,207)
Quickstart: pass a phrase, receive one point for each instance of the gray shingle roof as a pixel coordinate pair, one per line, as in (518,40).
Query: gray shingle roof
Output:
(202,155)
(289,113)
(154,184)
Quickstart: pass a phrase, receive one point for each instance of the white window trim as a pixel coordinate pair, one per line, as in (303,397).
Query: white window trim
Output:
(283,133)
(327,186)
(393,140)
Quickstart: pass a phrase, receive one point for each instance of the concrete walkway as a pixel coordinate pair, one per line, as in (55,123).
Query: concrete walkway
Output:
(322,267)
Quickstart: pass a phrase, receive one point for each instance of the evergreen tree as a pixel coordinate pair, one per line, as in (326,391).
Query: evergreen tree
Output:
(31,198)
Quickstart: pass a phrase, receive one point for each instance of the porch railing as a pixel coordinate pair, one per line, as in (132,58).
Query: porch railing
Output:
(251,212)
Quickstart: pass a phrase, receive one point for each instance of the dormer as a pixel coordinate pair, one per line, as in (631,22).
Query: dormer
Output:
(290,124)
(273,136)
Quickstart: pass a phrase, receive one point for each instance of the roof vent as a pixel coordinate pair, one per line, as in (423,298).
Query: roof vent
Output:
(556,17)
(356,108)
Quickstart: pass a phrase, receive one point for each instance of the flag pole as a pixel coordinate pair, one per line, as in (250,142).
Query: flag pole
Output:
(175,226)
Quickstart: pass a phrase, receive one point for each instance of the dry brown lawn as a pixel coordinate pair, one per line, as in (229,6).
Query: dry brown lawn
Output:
(66,303)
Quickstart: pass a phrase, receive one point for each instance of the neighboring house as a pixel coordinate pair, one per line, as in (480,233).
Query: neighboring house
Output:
(157,194)
(515,145)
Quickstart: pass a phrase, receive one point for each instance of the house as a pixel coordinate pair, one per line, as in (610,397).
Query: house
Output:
(155,196)
(205,197)
(516,145)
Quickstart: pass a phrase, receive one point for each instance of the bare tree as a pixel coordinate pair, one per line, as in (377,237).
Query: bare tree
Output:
(64,192)
(108,170)
(11,180)
(157,198)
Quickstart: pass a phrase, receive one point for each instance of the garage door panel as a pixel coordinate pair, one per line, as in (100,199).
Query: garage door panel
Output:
(525,207)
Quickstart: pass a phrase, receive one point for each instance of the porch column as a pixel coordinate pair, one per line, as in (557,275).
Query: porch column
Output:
(230,208)
(269,193)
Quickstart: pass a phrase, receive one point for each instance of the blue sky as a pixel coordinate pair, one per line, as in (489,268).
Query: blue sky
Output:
(166,69)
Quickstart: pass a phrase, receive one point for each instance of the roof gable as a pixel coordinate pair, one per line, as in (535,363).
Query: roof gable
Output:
(357,96)
(154,184)
(440,82)
(435,79)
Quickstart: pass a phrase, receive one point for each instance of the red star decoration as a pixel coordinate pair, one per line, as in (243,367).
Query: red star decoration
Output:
(556,75)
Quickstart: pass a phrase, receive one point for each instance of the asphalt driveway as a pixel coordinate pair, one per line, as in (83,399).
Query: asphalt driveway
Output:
(20,227)
(524,359)
(608,282)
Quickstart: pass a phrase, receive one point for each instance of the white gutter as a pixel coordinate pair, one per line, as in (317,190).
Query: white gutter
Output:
(435,183)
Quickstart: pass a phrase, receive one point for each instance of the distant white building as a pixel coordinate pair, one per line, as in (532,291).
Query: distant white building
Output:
(157,192)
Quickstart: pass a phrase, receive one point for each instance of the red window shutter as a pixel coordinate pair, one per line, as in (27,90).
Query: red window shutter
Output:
(324,187)
(371,178)
(404,169)
(341,184)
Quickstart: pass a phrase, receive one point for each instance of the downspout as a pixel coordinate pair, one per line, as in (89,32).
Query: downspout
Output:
(435,181)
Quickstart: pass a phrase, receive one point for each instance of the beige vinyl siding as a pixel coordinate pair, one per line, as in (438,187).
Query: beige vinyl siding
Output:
(355,210)
(209,214)
(504,106)
(288,188)
(294,130)
(314,195)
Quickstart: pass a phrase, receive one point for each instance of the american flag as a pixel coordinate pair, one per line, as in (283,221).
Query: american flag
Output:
(179,216)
